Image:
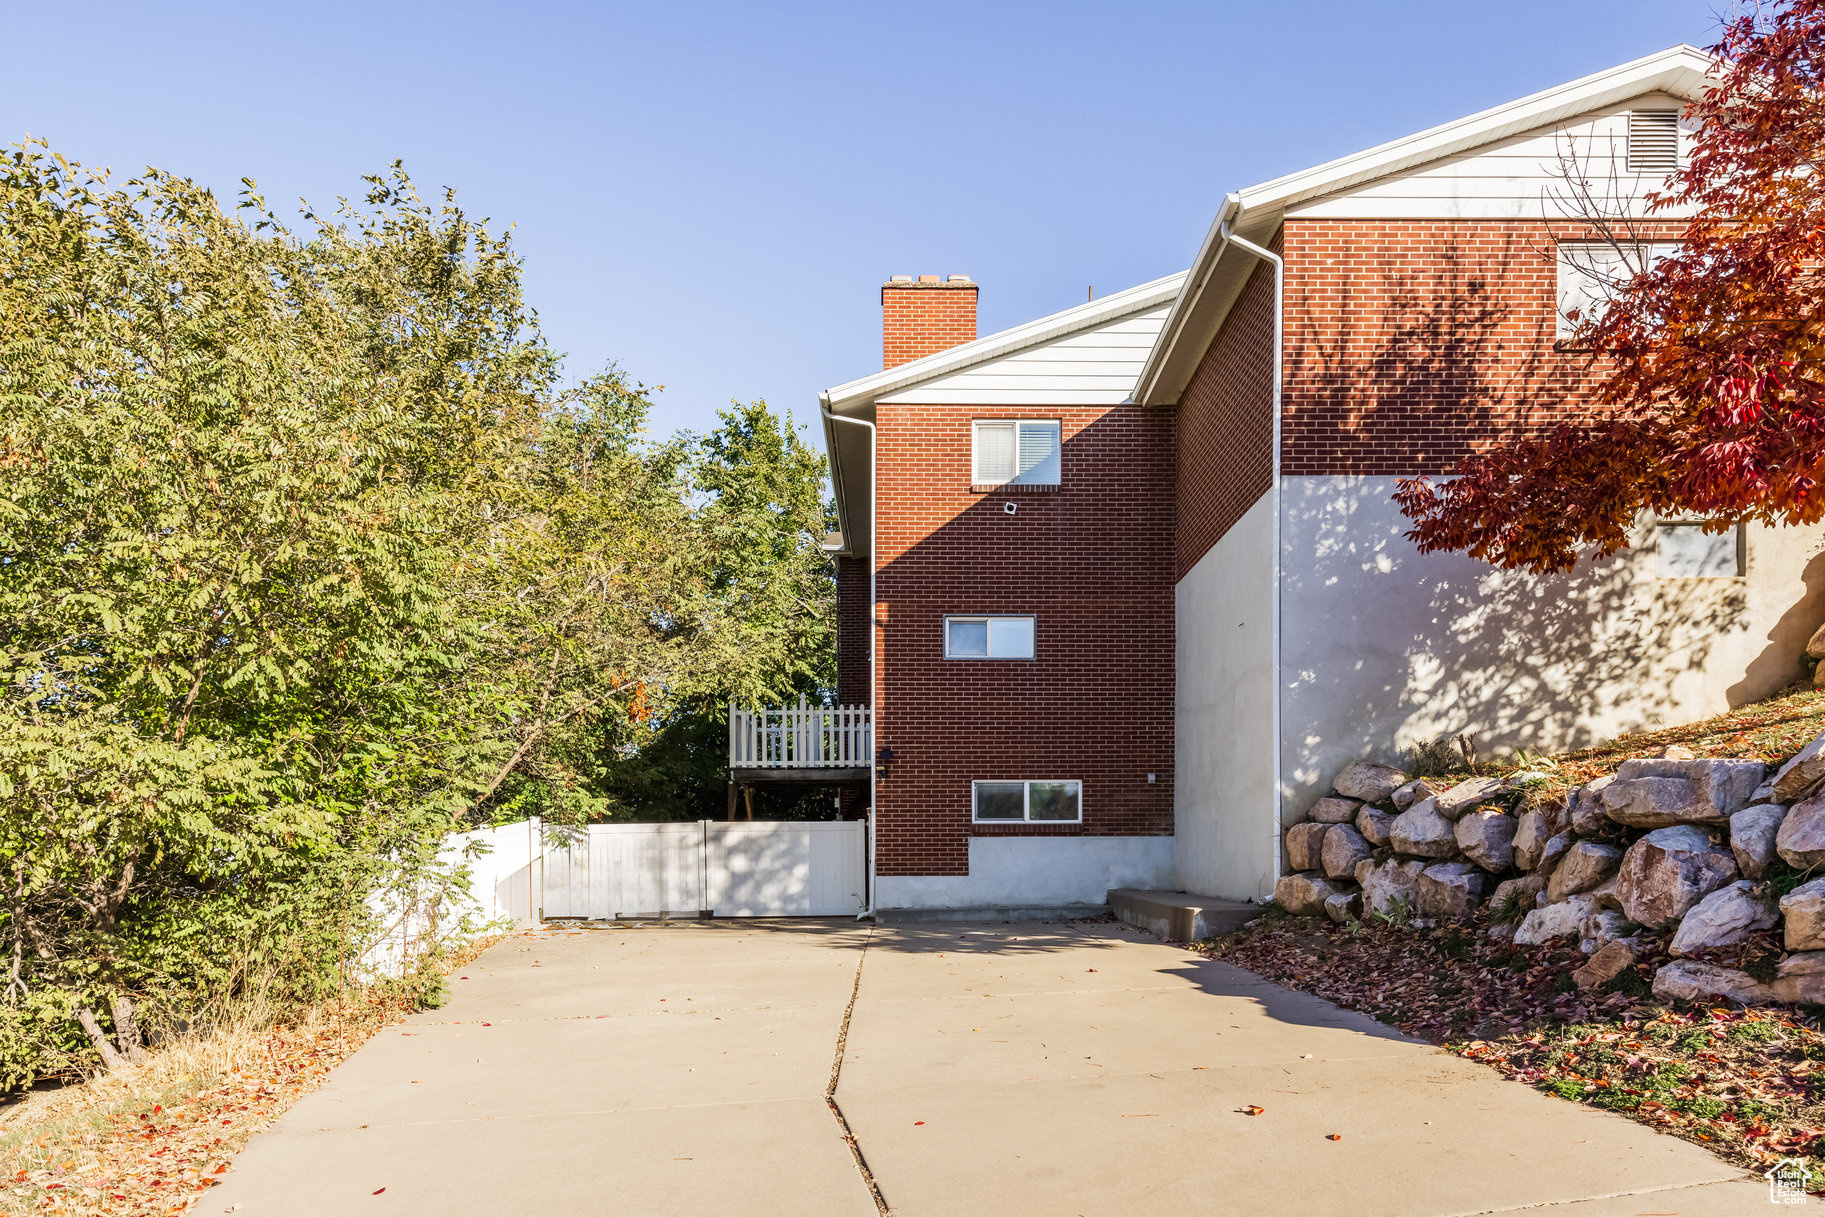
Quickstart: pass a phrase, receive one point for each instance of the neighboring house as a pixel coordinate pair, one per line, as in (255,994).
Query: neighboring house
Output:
(1120,631)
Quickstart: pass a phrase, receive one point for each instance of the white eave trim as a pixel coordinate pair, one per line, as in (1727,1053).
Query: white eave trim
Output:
(846,397)
(1681,71)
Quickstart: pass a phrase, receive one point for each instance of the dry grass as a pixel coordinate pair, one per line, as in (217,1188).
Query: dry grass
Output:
(148,1141)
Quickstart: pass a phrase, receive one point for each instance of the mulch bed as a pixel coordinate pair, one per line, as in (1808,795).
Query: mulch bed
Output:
(1746,1084)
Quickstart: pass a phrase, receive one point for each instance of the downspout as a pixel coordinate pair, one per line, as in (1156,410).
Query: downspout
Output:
(1279,264)
(874,499)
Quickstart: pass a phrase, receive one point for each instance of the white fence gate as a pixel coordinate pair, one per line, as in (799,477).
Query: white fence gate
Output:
(741,869)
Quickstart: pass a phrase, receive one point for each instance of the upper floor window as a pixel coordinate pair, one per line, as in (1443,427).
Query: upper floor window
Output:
(1592,273)
(1020,452)
(1684,550)
(988,638)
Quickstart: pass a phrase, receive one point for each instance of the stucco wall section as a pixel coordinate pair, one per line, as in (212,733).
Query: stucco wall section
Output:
(1035,871)
(1386,647)
(1226,839)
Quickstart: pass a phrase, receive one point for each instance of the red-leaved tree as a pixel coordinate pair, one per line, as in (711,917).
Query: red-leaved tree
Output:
(1712,392)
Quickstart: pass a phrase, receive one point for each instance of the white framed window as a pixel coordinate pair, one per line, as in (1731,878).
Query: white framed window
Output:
(990,637)
(1031,802)
(1592,273)
(1014,452)
(1684,550)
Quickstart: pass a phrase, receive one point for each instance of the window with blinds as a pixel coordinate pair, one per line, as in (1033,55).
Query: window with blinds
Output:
(1010,452)
(1653,141)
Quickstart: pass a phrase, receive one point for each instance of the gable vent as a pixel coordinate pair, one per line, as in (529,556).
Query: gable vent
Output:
(1653,141)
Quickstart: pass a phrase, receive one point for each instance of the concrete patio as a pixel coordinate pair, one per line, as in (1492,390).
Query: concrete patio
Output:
(1037,1068)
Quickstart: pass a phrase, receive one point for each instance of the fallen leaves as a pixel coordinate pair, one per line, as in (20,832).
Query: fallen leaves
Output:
(1747,1084)
(109,1160)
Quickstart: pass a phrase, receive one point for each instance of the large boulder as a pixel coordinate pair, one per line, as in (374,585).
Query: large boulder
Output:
(1800,979)
(1304,846)
(1724,918)
(1368,782)
(1690,980)
(1556,848)
(1659,792)
(1800,840)
(1343,849)
(1803,916)
(1588,815)
(1754,833)
(1608,893)
(1374,825)
(1462,797)
(1532,831)
(1584,866)
(1602,927)
(1798,777)
(1412,792)
(1520,892)
(1393,883)
(1333,811)
(1486,837)
(1562,920)
(1303,895)
(1610,961)
(1344,907)
(1423,831)
(1451,891)
(1668,871)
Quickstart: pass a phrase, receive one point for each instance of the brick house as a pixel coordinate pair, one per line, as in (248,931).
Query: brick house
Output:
(1139,588)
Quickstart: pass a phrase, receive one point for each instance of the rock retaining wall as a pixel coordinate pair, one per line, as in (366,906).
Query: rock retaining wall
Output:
(1703,850)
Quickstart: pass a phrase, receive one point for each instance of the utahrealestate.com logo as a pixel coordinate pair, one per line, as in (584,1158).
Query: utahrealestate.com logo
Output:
(1786,1181)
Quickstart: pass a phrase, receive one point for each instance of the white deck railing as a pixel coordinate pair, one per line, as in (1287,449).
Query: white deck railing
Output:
(800,737)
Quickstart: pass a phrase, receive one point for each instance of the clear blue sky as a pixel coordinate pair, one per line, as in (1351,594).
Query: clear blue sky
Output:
(710,194)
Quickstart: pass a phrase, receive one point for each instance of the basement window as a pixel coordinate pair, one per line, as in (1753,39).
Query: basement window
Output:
(1036,802)
(1684,550)
(989,637)
(1014,452)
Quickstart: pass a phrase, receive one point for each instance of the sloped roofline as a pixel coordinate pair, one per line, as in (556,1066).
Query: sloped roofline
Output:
(845,398)
(850,478)
(1256,212)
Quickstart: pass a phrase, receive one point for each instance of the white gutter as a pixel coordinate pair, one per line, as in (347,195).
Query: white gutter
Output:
(874,720)
(1279,264)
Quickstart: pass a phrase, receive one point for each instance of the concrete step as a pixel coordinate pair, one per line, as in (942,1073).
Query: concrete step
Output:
(1180,916)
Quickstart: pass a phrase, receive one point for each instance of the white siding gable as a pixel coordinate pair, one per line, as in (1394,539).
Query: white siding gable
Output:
(1516,178)
(1095,367)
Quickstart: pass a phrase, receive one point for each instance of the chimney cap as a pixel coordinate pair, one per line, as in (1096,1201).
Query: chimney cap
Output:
(938,281)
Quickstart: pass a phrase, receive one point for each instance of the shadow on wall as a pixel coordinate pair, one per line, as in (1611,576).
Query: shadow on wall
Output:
(1386,647)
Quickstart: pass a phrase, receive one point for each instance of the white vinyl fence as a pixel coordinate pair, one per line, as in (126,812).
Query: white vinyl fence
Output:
(741,869)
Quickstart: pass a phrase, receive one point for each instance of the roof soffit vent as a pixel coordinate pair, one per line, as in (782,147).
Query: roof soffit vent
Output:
(1653,141)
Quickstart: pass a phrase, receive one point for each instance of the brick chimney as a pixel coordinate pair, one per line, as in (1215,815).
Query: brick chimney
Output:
(923,316)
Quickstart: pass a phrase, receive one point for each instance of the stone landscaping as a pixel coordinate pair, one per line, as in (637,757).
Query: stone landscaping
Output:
(1709,857)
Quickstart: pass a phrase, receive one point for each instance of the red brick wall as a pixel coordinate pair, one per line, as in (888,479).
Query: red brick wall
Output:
(1092,560)
(920,319)
(852,631)
(1225,420)
(1413,343)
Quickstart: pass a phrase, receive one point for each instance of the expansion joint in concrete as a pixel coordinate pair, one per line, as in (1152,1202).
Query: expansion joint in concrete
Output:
(836,1073)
